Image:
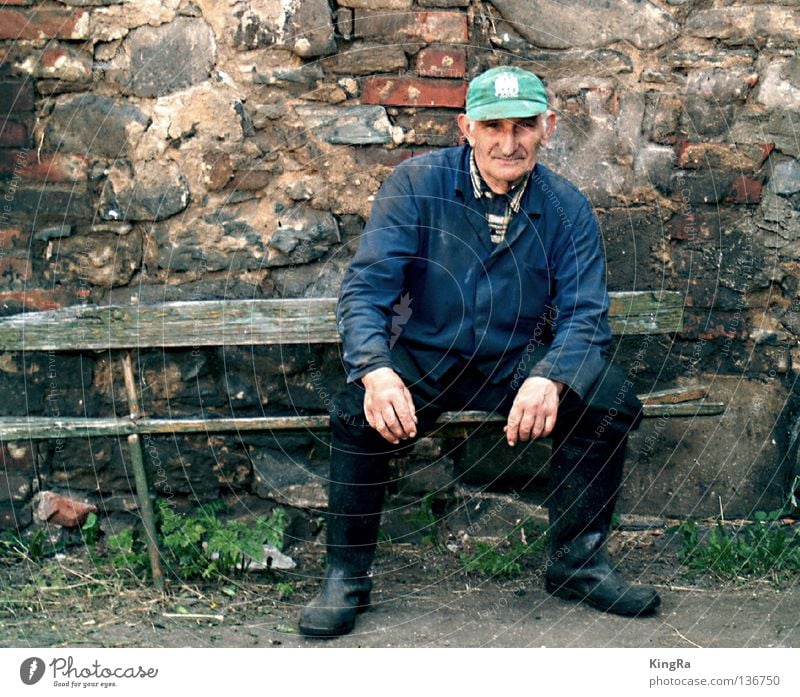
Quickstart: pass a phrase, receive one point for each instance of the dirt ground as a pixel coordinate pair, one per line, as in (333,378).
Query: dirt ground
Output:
(423,597)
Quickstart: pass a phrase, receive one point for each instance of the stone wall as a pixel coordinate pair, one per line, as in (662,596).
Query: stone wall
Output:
(168,149)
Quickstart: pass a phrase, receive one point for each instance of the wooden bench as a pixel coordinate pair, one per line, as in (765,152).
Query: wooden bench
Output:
(220,323)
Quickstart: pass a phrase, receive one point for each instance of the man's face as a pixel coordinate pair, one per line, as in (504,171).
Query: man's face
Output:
(506,149)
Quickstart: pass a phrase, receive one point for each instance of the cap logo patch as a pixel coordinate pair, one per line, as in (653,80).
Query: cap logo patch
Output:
(506,86)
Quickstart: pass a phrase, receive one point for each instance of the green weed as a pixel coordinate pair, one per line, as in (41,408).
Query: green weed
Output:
(285,590)
(201,545)
(425,520)
(764,547)
(196,545)
(126,553)
(505,560)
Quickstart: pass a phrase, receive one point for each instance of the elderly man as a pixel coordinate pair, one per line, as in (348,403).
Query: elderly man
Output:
(479,283)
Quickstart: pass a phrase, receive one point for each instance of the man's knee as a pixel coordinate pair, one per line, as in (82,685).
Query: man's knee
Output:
(347,414)
(609,411)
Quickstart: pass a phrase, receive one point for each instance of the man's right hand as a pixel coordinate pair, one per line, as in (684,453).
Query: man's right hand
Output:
(388,405)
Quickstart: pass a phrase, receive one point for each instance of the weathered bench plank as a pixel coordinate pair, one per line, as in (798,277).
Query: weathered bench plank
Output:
(253,322)
(35,428)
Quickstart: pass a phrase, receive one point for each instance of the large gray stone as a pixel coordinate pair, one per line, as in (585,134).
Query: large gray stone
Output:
(778,225)
(721,85)
(311,29)
(95,124)
(706,118)
(589,23)
(316,280)
(653,167)
(751,125)
(305,27)
(554,65)
(744,24)
(780,86)
(216,242)
(735,463)
(153,191)
(594,147)
(785,177)
(303,234)
(289,478)
(347,125)
(155,61)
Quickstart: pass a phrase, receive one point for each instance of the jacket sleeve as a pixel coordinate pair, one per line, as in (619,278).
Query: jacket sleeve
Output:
(374,281)
(581,329)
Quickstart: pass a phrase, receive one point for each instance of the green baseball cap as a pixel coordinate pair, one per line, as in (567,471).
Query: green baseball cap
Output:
(505,93)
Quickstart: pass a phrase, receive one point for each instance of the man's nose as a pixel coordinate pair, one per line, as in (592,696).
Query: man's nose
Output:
(508,142)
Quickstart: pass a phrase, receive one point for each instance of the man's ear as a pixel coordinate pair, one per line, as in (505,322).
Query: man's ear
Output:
(550,120)
(465,126)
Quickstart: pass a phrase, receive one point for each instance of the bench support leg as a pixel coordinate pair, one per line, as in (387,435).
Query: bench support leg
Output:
(140,476)
(146,510)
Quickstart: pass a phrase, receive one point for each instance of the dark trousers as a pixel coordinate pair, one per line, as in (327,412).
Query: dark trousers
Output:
(360,456)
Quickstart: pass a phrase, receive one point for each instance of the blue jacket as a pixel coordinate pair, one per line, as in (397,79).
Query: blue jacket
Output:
(427,275)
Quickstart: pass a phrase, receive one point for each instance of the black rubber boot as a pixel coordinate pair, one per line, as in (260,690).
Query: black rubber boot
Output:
(587,475)
(355,501)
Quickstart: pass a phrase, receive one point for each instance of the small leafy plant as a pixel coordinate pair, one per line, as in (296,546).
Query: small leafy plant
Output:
(767,546)
(198,545)
(126,553)
(202,545)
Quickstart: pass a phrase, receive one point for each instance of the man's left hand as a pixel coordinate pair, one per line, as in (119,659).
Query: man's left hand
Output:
(533,414)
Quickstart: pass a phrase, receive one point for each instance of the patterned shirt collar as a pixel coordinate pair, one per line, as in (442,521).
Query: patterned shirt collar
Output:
(480,188)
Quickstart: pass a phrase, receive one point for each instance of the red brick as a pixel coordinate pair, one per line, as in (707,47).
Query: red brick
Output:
(406,91)
(442,62)
(16,2)
(44,24)
(32,300)
(53,167)
(12,134)
(746,190)
(16,96)
(429,27)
